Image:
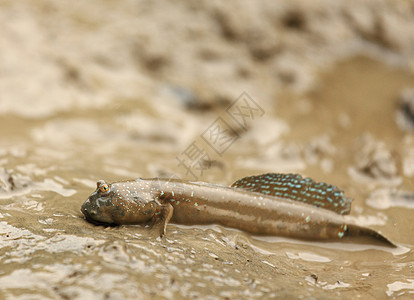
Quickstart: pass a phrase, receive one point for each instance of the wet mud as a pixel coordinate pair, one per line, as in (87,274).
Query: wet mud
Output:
(117,90)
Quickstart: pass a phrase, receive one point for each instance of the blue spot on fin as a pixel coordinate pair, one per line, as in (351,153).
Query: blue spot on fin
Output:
(295,187)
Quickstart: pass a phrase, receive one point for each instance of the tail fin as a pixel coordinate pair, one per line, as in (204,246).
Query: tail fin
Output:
(358,231)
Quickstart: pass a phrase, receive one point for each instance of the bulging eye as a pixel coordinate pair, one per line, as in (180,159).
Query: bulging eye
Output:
(104,188)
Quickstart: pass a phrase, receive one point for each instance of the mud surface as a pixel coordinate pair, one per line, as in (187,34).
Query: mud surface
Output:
(123,89)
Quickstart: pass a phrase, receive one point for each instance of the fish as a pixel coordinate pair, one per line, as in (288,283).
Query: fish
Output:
(275,204)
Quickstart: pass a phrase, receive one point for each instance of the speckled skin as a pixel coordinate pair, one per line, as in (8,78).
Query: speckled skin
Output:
(159,201)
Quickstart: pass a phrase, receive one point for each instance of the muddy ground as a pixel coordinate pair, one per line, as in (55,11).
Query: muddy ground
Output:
(123,89)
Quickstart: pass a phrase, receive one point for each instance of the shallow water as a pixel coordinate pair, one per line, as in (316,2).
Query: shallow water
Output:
(105,94)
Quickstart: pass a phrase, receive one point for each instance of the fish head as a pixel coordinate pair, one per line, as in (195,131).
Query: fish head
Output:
(119,203)
(94,208)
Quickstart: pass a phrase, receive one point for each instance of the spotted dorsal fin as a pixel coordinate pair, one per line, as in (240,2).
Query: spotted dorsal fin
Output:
(295,187)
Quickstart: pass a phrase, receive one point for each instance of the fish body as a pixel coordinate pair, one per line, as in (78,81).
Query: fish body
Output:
(263,205)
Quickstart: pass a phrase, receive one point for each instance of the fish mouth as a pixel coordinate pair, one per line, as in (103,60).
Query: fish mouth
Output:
(96,222)
(87,215)
(89,218)
(92,220)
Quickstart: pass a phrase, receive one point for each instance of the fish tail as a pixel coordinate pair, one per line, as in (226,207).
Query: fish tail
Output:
(356,231)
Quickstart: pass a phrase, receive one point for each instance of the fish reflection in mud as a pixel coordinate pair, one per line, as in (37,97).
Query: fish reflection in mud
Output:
(270,204)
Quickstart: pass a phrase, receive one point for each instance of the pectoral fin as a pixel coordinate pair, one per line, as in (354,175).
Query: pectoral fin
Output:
(167,212)
(295,187)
